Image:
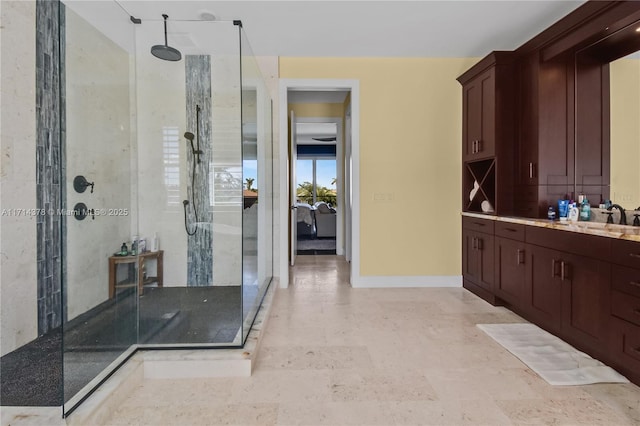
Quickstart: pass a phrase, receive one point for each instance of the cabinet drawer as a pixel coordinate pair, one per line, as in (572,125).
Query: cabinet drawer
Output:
(625,253)
(626,344)
(626,307)
(626,280)
(513,231)
(571,242)
(480,225)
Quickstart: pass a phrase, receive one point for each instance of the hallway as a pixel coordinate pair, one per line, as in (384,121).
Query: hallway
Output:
(335,355)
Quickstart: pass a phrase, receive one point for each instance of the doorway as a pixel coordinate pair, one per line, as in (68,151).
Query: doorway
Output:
(320,158)
(318,182)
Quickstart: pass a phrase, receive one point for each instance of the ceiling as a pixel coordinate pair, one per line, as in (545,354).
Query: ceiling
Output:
(306,132)
(364,28)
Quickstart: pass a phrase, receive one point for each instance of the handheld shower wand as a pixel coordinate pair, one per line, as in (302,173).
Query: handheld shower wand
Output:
(195,152)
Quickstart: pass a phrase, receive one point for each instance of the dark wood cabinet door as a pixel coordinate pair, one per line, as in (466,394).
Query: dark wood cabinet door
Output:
(470,260)
(586,300)
(555,144)
(592,115)
(477,258)
(510,258)
(527,141)
(543,294)
(485,249)
(479,116)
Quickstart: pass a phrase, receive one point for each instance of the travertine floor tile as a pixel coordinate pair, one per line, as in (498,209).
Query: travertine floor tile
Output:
(575,411)
(336,413)
(333,355)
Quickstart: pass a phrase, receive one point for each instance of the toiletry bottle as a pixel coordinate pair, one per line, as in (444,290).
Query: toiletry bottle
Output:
(574,213)
(154,242)
(563,209)
(124,250)
(134,248)
(551,213)
(585,210)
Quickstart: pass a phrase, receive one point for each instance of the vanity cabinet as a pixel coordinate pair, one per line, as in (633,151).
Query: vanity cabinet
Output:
(478,256)
(488,134)
(568,286)
(510,263)
(583,288)
(624,342)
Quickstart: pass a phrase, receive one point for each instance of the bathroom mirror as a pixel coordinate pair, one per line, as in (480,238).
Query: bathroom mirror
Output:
(607,107)
(625,130)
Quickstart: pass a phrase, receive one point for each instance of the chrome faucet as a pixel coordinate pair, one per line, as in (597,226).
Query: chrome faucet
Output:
(623,214)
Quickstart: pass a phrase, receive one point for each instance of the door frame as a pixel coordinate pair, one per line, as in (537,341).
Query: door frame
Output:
(320,85)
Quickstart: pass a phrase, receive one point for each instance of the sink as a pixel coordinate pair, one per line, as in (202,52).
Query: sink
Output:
(607,229)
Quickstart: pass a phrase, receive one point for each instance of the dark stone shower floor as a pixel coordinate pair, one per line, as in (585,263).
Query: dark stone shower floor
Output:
(32,374)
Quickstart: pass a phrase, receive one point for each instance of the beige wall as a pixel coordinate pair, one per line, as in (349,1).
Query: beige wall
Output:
(625,132)
(410,139)
(18,274)
(317,110)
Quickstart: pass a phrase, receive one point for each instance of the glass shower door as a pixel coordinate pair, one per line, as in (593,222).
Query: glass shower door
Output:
(257,214)
(100,293)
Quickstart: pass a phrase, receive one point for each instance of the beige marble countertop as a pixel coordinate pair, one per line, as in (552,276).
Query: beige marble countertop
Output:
(621,232)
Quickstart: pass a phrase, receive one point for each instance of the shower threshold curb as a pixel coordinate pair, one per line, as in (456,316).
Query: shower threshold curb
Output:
(148,363)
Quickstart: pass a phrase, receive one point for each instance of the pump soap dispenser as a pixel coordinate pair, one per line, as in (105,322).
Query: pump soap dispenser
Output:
(585,210)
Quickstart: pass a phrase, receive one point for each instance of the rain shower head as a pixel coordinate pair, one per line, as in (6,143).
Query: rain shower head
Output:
(164,51)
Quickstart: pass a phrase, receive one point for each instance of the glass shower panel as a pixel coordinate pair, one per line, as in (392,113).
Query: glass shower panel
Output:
(99,301)
(190,184)
(257,215)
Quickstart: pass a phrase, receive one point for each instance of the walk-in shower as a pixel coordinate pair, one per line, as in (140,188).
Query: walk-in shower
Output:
(168,145)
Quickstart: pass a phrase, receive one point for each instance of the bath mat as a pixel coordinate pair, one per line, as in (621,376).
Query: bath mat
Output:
(553,359)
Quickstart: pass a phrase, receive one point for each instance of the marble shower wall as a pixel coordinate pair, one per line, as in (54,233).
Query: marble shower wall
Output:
(98,146)
(50,161)
(18,250)
(199,245)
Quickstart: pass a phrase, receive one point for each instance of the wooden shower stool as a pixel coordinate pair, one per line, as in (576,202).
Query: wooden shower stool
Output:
(114,261)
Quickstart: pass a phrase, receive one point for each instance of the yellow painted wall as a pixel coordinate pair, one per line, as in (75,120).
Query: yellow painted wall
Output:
(317,110)
(625,132)
(410,148)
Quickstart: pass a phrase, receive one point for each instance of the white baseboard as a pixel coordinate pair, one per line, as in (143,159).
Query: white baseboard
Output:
(407,281)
